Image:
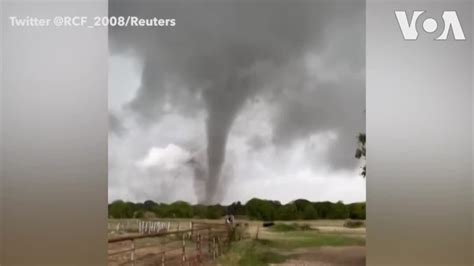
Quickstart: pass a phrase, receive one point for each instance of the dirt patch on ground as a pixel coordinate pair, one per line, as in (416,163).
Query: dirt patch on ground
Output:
(328,256)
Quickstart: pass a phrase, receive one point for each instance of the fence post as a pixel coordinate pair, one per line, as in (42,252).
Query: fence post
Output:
(192,229)
(209,240)
(198,246)
(213,248)
(184,250)
(132,255)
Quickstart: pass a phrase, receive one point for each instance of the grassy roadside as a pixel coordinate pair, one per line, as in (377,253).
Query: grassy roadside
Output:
(278,245)
(251,252)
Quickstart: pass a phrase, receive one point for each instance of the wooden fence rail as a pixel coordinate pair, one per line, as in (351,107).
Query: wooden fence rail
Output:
(187,249)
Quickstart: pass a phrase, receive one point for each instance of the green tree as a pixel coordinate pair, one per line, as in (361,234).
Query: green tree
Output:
(180,209)
(199,211)
(261,209)
(305,209)
(357,211)
(361,152)
(120,209)
(323,208)
(338,211)
(258,209)
(236,208)
(215,211)
(309,212)
(288,212)
(150,205)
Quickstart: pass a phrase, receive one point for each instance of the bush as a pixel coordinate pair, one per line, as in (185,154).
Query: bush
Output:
(305,227)
(291,227)
(284,227)
(354,224)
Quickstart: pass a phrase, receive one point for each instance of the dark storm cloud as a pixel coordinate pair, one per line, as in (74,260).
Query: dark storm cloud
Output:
(209,59)
(115,125)
(256,142)
(340,112)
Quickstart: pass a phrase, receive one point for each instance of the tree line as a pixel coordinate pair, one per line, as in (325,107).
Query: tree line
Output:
(254,209)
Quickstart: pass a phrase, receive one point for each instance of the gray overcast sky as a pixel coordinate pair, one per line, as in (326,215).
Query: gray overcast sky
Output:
(239,100)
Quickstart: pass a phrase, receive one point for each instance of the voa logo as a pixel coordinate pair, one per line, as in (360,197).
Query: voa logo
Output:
(430,25)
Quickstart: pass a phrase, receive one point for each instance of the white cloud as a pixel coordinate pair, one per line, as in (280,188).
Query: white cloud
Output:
(168,158)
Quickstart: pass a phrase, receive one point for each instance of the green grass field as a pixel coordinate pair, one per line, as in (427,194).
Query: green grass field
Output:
(284,242)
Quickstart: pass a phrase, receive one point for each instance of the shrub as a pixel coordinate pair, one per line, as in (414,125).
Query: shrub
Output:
(354,223)
(281,227)
(305,227)
(284,227)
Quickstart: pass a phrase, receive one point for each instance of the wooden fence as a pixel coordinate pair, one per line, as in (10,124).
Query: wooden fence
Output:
(200,243)
(145,226)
